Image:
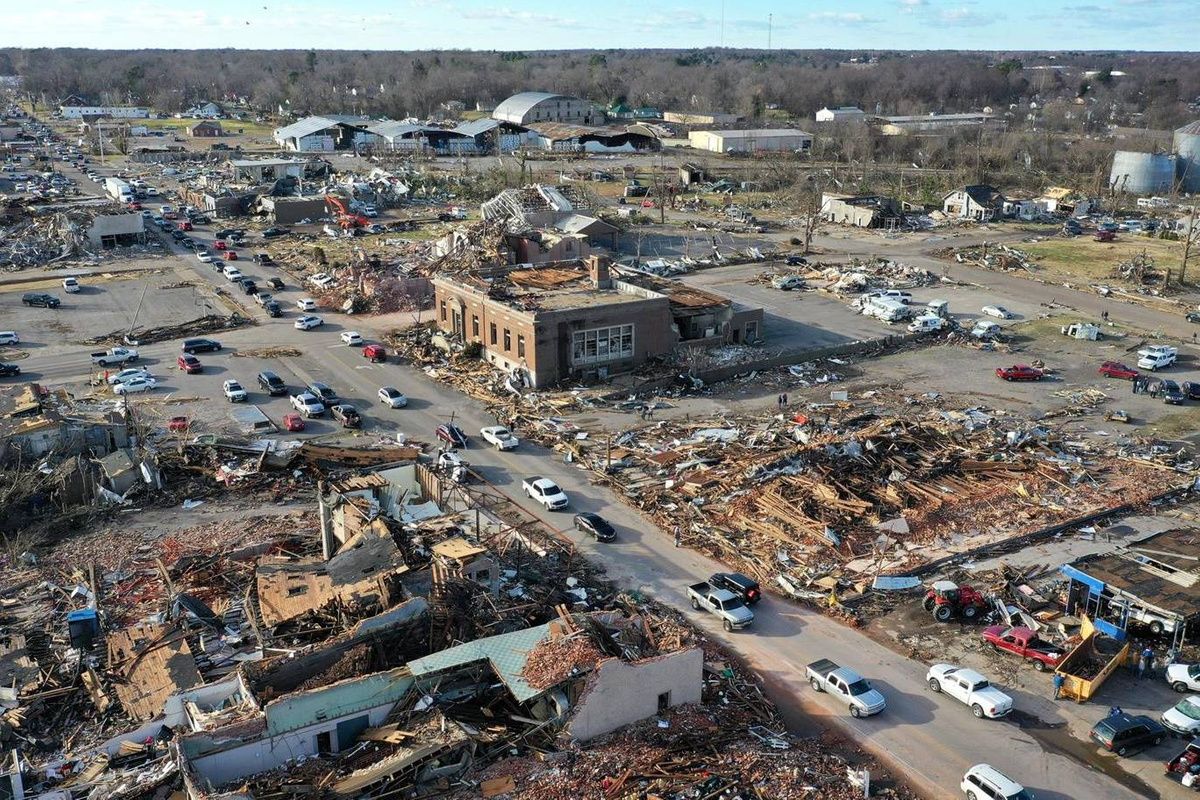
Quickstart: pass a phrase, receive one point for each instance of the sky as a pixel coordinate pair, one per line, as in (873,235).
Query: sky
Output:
(579,24)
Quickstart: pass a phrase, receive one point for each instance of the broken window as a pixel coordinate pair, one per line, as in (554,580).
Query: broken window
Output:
(507,340)
(475,326)
(296,591)
(443,311)
(492,331)
(602,344)
(520,345)
(664,702)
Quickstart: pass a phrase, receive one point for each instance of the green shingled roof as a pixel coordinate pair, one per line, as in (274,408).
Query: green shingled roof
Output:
(506,653)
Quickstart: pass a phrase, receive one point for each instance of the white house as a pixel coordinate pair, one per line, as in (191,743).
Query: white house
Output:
(205,110)
(979,202)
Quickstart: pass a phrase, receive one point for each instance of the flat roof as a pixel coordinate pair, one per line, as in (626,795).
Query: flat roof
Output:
(759,133)
(1162,570)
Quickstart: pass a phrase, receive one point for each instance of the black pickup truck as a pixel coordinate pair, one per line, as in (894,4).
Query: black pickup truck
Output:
(741,585)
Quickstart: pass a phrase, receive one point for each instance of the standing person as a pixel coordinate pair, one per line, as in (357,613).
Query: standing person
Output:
(678,536)
(784,398)
(1059,680)
(1141,666)
(1148,657)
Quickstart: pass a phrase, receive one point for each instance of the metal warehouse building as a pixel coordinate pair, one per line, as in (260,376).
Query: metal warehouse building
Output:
(528,107)
(750,141)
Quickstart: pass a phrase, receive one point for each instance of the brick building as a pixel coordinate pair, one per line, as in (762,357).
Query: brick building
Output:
(552,323)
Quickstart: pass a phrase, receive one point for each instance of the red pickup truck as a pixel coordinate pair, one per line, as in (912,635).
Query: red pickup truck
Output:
(1026,644)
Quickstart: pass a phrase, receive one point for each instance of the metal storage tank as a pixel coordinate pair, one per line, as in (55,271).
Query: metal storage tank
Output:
(1187,148)
(1142,173)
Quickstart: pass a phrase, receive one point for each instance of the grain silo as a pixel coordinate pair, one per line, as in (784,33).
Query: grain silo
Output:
(1142,173)
(1187,149)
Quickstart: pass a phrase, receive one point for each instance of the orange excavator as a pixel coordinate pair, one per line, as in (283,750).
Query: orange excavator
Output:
(346,218)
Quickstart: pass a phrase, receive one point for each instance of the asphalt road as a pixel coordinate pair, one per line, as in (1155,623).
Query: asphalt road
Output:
(928,738)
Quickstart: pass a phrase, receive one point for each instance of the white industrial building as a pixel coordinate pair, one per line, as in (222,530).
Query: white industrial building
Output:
(528,107)
(841,114)
(115,112)
(325,134)
(752,140)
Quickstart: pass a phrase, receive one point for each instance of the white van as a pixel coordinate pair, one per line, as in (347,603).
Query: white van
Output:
(985,782)
(926,323)
(886,309)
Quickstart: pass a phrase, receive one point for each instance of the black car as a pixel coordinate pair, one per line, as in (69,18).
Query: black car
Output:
(190,244)
(1124,733)
(323,392)
(742,586)
(271,383)
(40,299)
(9,370)
(1191,390)
(193,346)
(273,308)
(263,258)
(275,283)
(1192,316)
(595,526)
(249,286)
(1170,392)
(278,230)
(229,233)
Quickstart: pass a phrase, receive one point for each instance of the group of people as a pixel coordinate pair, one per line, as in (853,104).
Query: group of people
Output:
(1141,385)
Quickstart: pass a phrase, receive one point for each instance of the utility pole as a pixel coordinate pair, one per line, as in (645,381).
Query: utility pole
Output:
(1189,238)
(770,17)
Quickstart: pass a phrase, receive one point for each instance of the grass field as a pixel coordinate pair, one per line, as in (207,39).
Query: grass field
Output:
(230,126)
(1083,259)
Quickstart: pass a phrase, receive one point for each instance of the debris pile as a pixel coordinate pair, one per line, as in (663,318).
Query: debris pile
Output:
(859,275)
(991,256)
(1139,269)
(209,323)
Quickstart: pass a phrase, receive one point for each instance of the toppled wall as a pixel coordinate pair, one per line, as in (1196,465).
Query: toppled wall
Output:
(618,693)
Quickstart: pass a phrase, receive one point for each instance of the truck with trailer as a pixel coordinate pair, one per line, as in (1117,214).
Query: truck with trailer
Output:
(118,190)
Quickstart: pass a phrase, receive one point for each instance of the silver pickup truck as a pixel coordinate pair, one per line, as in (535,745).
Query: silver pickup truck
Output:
(847,685)
(732,610)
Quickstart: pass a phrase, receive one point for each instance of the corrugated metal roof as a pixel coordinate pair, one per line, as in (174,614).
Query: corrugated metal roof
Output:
(519,104)
(304,127)
(760,133)
(1191,129)
(477,127)
(336,700)
(506,653)
(392,129)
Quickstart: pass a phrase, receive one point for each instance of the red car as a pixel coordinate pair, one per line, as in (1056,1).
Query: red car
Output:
(1105,236)
(178,424)
(220,244)
(231,255)
(375,352)
(134,206)
(185,226)
(1115,369)
(1019,372)
(293,422)
(189,364)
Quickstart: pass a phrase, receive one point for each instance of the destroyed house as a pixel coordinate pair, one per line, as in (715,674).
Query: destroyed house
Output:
(33,424)
(1154,581)
(978,202)
(861,211)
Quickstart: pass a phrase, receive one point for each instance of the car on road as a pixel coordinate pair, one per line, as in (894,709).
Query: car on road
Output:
(262,298)
(70,285)
(1170,392)
(323,392)
(351,338)
(392,397)
(205,256)
(273,309)
(308,405)
(1124,733)
(1184,677)
(731,609)
(193,346)
(375,353)
(347,415)
(178,424)
(9,370)
(1183,718)
(970,688)
(741,585)
(1019,372)
(234,392)
(985,782)
(595,526)
(499,437)
(9,337)
(545,492)
(41,300)
(844,683)
(1115,369)
(129,374)
(306,304)
(277,230)
(220,244)
(231,255)
(308,322)
(232,273)
(189,364)
(293,422)
(451,434)
(276,284)
(134,386)
(271,383)
(999,312)
(1192,316)
(248,285)
(263,258)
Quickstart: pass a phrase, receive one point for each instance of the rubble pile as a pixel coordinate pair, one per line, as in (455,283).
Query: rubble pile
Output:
(859,275)
(50,237)
(209,323)
(990,256)
(1139,269)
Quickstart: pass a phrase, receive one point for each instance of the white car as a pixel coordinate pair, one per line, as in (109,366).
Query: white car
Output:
(499,436)
(984,782)
(1184,717)
(352,338)
(205,257)
(1184,677)
(9,337)
(234,391)
(321,280)
(392,397)
(308,405)
(70,285)
(134,385)
(971,688)
(308,322)
(545,492)
(999,312)
(232,273)
(306,304)
(126,375)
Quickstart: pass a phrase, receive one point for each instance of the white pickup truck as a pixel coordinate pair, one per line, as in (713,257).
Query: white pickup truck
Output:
(847,685)
(115,356)
(732,610)
(969,687)
(1157,356)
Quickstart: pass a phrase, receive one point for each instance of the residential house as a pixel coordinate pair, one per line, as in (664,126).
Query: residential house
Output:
(205,128)
(205,110)
(979,202)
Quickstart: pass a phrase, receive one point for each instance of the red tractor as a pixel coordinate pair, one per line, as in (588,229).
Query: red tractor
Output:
(946,599)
